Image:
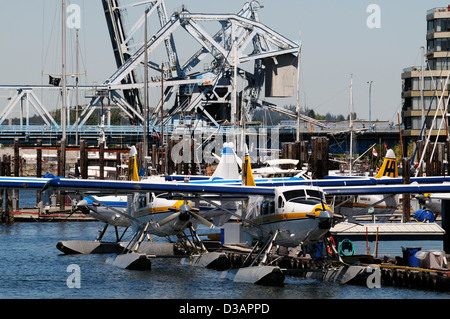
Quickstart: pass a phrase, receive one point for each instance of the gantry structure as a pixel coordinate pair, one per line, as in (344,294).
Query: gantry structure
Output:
(242,62)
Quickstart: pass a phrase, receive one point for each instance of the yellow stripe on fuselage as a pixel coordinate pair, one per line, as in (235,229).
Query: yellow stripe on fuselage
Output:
(159,209)
(288,216)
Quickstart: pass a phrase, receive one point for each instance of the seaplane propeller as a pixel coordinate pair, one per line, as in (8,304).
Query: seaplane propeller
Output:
(327,215)
(82,206)
(184,213)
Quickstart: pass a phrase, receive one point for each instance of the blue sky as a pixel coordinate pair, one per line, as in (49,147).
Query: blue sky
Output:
(336,43)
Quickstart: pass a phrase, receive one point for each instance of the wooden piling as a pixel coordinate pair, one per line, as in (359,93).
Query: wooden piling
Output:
(170,162)
(39,159)
(303,153)
(9,214)
(420,147)
(185,152)
(297,146)
(62,158)
(102,160)
(448,157)
(406,203)
(319,147)
(193,160)
(180,164)
(118,165)
(38,167)
(154,159)
(15,202)
(83,160)
(439,169)
(2,192)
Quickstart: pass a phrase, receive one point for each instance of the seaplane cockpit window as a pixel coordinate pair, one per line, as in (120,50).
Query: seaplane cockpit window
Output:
(264,208)
(271,207)
(268,207)
(297,193)
(302,196)
(313,194)
(280,202)
(169,195)
(142,201)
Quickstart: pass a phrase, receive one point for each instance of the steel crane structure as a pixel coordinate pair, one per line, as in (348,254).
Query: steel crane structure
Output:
(241,38)
(215,92)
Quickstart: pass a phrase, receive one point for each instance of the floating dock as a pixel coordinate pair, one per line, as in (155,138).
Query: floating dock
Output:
(362,270)
(52,215)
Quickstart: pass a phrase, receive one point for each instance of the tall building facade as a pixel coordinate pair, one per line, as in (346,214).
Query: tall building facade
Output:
(424,85)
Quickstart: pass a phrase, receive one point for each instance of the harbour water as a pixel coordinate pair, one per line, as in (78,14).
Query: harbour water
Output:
(33,268)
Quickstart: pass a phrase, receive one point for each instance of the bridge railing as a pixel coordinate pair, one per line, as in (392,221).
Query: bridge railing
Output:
(332,128)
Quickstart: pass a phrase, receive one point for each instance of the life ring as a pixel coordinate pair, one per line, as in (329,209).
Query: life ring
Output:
(346,247)
(331,243)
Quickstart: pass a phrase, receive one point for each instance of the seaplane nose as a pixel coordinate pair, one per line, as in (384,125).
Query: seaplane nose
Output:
(184,208)
(325,219)
(82,203)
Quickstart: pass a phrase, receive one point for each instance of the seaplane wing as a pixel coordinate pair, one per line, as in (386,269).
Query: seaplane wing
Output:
(128,187)
(23,182)
(413,188)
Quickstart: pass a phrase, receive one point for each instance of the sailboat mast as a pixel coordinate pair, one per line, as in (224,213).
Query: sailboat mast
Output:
(145,146)
(76,88)
(63,71)
(297,139)
(351,123)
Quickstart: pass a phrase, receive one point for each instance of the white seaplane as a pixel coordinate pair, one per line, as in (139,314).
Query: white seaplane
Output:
(113,209)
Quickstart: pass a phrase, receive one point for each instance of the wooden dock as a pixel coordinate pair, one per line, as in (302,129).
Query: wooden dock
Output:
(53,215)
(391,274)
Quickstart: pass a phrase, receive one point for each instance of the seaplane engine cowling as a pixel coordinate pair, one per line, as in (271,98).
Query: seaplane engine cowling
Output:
(82,206)
(325,219)
(184,213)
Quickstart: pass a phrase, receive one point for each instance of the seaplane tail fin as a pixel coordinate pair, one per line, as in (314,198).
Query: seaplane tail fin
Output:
(247,175)
(228,166)
(132,166)
(389,167)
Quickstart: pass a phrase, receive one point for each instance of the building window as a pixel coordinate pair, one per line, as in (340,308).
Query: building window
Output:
(445,25)
(416,123)
(428,84)
(415,84)
(441,44)
(430,102)
(441,64)
(407,104)
(416,105)
(407,121)
(430,26)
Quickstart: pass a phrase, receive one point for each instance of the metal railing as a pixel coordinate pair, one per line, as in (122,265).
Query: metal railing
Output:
(286,127)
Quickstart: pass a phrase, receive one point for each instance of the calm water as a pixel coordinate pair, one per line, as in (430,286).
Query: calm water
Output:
(33,268)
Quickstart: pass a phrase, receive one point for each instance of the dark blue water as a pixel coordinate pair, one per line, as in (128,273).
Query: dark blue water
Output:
(31,267)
